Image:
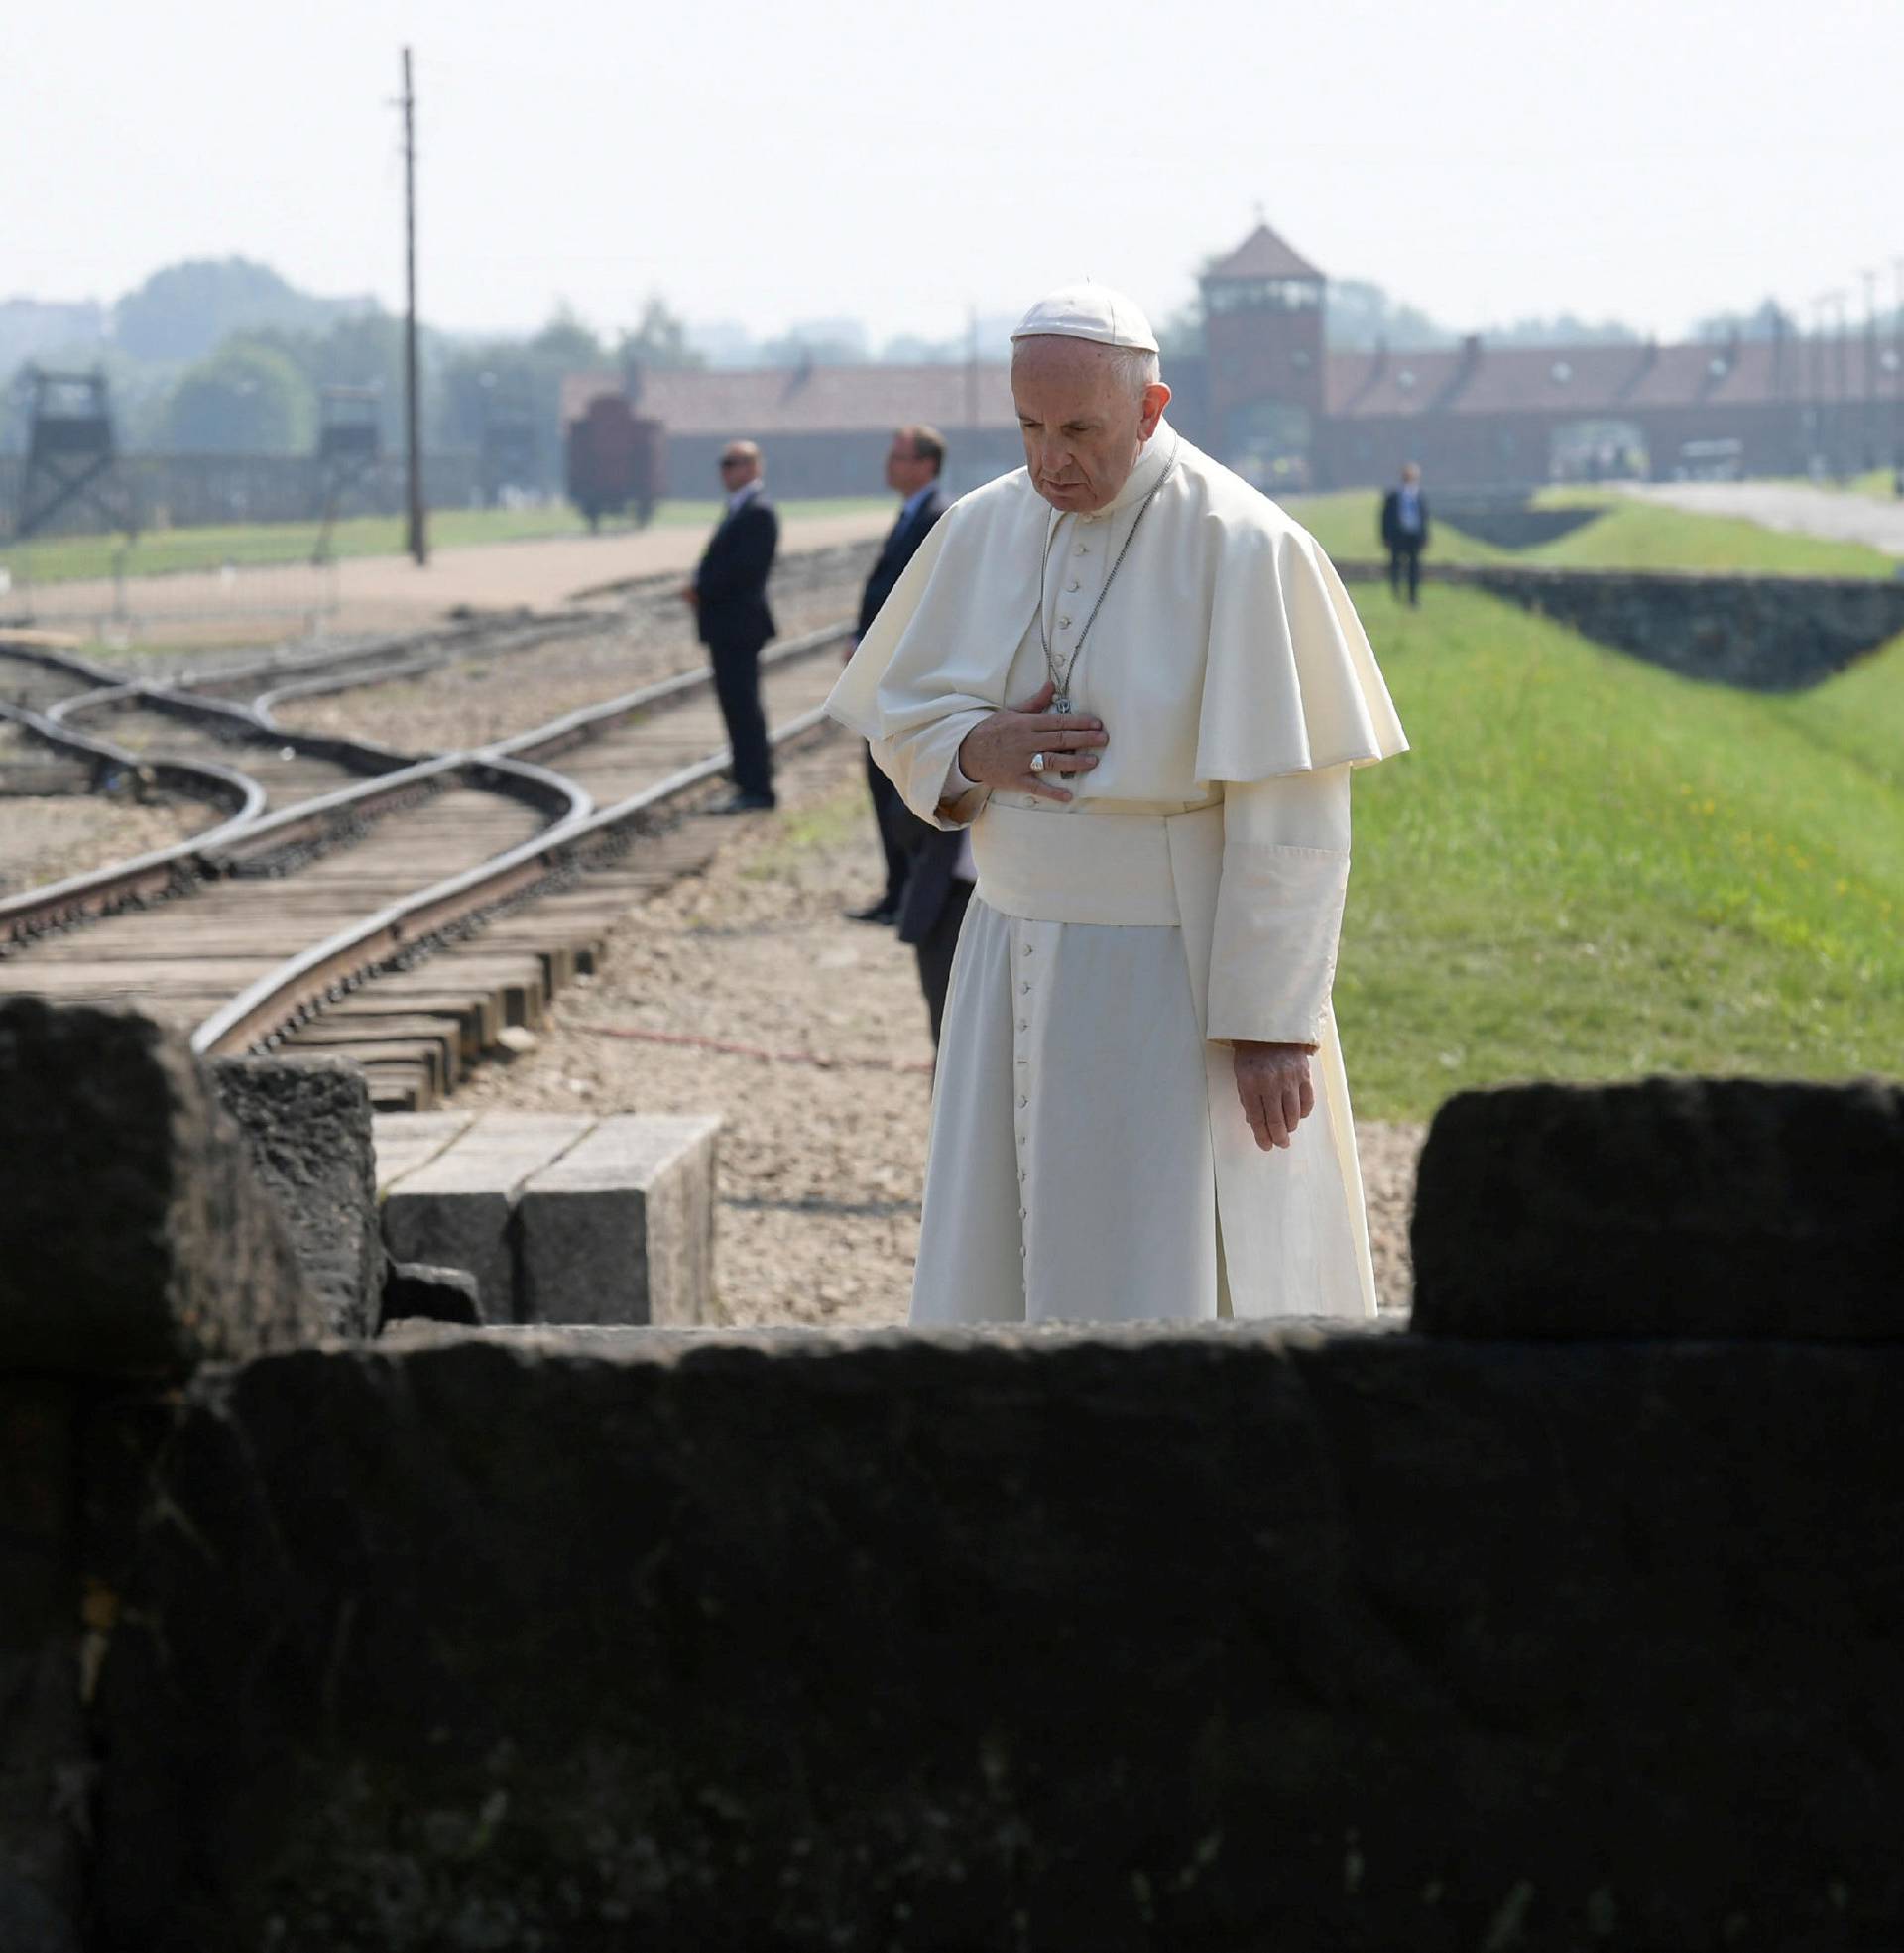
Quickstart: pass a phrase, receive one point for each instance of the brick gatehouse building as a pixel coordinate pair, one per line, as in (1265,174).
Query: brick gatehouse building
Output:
(1267,395)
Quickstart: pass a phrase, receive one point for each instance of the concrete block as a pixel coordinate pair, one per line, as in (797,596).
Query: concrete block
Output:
(307,1120)
(457,1211)
(621,1228)
(1673,1208)
(135,1236)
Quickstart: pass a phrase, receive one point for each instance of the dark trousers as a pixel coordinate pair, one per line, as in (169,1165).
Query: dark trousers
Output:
(900,831)
(936,951)
(1410,554)
(737,685)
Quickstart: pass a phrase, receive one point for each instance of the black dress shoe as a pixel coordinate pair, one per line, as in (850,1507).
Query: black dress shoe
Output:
(747,803)
(885,914)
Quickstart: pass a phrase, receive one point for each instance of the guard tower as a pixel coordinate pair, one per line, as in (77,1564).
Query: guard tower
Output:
(1265,358)
(349,446)
(71,456)
(508,456)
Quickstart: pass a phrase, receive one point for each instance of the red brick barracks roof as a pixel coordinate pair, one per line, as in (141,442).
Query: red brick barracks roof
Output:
(782,399)
(1535,380)
(1543,380)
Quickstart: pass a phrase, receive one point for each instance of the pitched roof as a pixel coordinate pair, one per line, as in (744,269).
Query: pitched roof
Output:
(763,401)
(1564,381)
(1588,380)
(1363,385)
(1263,254)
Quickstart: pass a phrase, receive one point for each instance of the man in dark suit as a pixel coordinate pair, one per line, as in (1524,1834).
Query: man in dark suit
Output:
(1404,532)
(912,467)
(933,910)
(729,595)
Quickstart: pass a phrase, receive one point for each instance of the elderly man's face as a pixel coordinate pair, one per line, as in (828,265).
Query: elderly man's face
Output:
(1084,425)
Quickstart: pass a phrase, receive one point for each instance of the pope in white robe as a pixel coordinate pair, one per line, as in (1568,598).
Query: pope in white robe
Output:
(1143,688)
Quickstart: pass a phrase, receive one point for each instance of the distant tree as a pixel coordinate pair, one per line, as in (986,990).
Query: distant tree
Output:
(366,350)
(795,349)
(492,382)
(908,349)
(1361,315)
(184,310)
(660,339)
(1767,320)
(1563,331)
(566,340)
(246,398)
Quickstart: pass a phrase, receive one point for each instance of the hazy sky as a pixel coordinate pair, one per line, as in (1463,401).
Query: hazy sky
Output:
(774,162)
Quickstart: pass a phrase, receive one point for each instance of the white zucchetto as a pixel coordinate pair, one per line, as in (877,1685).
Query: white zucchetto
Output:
(1088,310)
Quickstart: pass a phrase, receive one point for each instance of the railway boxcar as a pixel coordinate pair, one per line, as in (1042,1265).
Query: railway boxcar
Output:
(615,460)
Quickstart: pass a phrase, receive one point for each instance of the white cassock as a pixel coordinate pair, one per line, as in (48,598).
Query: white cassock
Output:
(1089,1157)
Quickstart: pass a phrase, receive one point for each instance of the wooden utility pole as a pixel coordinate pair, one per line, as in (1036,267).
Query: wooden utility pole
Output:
(972,366)
(412,408)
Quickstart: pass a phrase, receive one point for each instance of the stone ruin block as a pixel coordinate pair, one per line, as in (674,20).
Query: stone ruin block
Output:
(1673,1208)
(309,1121)
(135,1237)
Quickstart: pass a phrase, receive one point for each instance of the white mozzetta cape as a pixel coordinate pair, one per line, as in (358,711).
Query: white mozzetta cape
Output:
(1268,668)
(1089,1157)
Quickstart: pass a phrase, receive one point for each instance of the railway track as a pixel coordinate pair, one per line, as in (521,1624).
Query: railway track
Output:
(403,912)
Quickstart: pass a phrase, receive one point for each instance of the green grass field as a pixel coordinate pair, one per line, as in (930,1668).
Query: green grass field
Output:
(1588,868)
(1630,534)
(65,558)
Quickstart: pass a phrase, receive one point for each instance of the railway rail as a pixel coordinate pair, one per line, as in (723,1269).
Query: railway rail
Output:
(402,911)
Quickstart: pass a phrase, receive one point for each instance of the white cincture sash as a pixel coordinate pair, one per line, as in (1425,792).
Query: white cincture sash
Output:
(1123,863)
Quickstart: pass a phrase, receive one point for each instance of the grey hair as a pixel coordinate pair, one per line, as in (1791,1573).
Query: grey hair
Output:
(1135,367)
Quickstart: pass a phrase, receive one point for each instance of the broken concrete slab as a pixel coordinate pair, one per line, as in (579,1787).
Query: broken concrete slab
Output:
(621,1228)
(414,1291)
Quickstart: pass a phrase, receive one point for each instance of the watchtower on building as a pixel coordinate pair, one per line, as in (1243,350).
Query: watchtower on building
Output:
(1265,359)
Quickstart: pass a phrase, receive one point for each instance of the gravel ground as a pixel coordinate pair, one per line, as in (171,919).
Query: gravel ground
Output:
(50,836)
(479,699)
(820,1165)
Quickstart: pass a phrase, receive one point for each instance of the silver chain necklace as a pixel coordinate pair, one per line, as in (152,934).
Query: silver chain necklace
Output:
(1061,681)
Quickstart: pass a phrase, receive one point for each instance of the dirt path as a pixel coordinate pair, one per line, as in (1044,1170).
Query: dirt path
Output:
(820,1165)
(1788,506)
(390,593)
